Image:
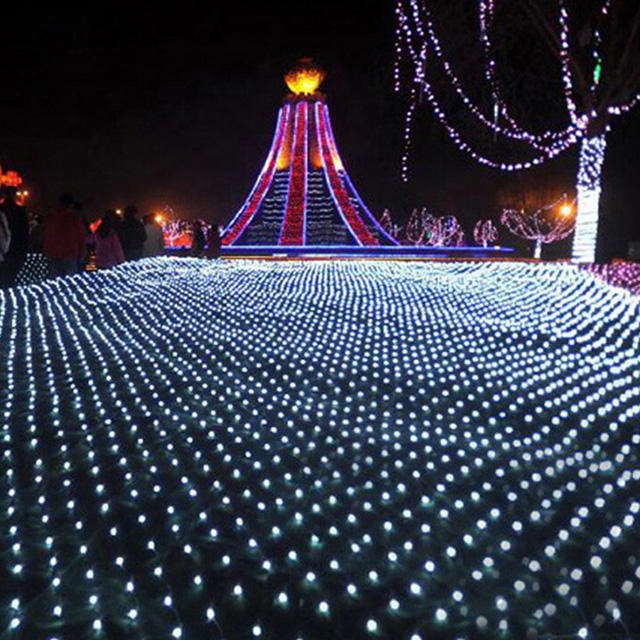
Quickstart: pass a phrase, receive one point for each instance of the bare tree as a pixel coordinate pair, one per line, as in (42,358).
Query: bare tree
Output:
(543,225)
(416,230)
(485,233)
(425,229)
(386,222)
(499,65)
(443,231)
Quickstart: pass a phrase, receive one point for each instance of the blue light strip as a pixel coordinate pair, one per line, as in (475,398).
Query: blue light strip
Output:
(283,113)
(317,108)
(350,186)
(371,251)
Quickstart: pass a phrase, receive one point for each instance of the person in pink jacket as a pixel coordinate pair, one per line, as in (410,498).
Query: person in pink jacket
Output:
(109,251)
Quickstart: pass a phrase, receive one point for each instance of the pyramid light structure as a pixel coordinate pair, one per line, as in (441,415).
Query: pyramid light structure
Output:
(303,198)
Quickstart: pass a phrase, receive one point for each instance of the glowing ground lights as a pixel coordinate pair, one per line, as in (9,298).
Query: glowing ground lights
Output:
(302,450)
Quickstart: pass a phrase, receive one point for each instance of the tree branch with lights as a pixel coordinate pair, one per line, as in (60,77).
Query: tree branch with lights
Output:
(574,66)
(485,233)
(543,226)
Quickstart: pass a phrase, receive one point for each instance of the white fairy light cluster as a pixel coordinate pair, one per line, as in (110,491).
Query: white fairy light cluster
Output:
(588,188)
(592,77)
(623,274)
(543,225)
(35,269)
(485,233)
(425,229)
(316,449)
(418,42)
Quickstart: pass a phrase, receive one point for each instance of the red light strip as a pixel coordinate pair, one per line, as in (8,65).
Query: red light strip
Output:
(329,153)
(240,222)
(293,225)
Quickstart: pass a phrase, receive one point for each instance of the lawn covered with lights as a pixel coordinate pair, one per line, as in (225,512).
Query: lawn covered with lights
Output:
(313,449)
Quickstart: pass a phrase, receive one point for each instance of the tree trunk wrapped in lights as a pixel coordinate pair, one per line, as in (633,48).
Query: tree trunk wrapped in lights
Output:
(588,188)
(423,228)
(493,63)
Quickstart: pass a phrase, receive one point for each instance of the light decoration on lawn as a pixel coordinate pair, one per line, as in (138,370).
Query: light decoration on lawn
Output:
(592,98)
(485,233)
(443,231)
(423,228)
(177,232)
(303,196)
(392,228)
(320,449)
(545,225)
(415,230)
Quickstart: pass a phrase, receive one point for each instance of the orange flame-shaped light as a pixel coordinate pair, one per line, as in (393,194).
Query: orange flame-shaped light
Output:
(305,77)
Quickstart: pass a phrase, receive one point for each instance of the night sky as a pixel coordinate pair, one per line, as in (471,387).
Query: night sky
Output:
(178,108)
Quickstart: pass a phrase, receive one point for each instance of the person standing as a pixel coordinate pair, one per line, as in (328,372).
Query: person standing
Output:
(35,233)
(199,239)
(18,223)
(63,238)
(5,242)
(109,251)
(87,246)
(132,233)
(154,244)
(213,241)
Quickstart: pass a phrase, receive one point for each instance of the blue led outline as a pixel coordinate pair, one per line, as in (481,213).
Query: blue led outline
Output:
(306,173)
(397,248)
(317,106)
(282,114)
(291,159)
(350,184)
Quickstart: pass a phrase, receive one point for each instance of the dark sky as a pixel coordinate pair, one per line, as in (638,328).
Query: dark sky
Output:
(174,107)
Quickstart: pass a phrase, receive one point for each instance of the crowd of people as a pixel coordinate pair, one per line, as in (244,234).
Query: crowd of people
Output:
(14,236)
(71,243)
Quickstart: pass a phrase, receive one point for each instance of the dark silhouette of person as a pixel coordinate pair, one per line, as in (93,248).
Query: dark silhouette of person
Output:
(132,234)
(18,222)
(35,232)
(5,241)
(63,237)
(88,247)
(109,251)
(214,241)
(154,244)
(199,239)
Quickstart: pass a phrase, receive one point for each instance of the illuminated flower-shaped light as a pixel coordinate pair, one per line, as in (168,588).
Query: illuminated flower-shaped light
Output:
(305,77)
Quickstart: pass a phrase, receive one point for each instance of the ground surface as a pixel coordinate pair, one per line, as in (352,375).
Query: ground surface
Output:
(245,449)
